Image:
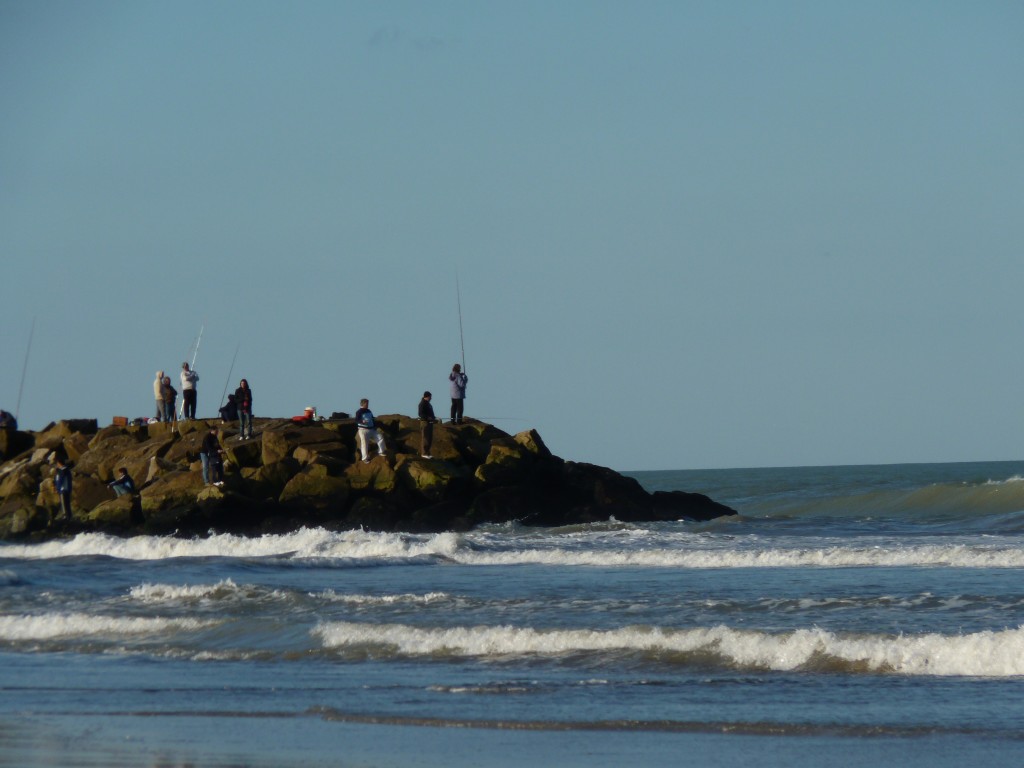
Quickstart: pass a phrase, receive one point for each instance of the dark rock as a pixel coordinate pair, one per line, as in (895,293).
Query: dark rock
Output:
(292,475)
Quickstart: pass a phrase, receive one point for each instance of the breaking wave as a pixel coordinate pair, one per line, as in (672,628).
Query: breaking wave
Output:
(981,654)
(353,547)
(67,625)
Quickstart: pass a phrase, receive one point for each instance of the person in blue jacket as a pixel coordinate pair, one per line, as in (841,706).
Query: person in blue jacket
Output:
(62,484)
(124,483)
(366,428)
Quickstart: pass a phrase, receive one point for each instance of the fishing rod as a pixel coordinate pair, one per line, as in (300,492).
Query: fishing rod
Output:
(194,349)
(24,368)
(462,340)
(199,340)
(228,380)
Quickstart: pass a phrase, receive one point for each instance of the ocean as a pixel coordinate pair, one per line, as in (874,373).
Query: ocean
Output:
(854,616)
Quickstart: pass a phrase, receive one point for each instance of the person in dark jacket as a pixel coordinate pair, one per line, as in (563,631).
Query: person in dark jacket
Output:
(124,483)
(426,414)
(243,398)
(209,454)
(62,484)
(229,411)
(170,397)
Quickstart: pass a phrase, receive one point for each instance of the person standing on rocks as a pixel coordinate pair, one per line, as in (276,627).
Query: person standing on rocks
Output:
(427,420)
(458,379)
(158,393)
(366,427)
(243,399)
(170,395)
(62,484)
(188,391)
(209,454)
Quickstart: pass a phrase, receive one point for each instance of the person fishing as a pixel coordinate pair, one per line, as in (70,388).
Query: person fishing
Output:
(188,391)
(458,379)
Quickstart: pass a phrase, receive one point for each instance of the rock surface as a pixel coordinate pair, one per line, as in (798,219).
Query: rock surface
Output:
(292,475)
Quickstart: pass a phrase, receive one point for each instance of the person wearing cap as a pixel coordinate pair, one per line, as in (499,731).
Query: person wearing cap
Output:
(426,414)
(243,401)
(366,428)
(188,391)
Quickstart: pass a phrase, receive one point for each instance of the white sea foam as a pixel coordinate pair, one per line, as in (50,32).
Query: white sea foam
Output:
(983,654)
(304,543)
(429,597)
(223,590)
(55,625)
(1007,481)
(954,556)
(484,550)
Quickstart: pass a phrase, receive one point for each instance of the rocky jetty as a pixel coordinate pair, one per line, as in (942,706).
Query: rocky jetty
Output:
(291,475)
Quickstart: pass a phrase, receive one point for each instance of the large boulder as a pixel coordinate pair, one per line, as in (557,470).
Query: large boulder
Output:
(115,515)
(432,479)
(506,464)
(170,499)
(375,475)
(20,516)
(314,489)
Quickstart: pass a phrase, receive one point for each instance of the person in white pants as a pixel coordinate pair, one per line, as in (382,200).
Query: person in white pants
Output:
(366,427)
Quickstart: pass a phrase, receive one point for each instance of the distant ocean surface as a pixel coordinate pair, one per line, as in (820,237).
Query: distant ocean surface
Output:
(856,616)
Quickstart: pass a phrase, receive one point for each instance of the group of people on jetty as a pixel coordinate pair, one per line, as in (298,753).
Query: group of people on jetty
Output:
(239,408)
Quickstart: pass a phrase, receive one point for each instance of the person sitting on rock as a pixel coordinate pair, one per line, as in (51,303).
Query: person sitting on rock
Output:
(7,421)
(229,411)
(366,427)
(124,483)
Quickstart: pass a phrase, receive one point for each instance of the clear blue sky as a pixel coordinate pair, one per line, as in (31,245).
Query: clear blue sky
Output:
(687,234)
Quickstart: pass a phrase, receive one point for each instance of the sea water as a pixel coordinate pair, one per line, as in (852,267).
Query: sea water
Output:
(848,616)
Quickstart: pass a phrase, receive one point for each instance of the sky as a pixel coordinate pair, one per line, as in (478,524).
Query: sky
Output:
(676,234)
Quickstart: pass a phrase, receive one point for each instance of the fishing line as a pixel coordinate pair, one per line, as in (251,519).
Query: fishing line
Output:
(24,368)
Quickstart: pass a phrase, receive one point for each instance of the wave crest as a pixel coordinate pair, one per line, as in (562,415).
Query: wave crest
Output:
(981,654)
